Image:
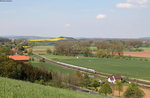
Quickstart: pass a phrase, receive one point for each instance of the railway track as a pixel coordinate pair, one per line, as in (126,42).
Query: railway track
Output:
(139,82)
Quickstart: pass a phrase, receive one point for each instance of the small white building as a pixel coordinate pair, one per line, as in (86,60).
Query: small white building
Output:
(114,78)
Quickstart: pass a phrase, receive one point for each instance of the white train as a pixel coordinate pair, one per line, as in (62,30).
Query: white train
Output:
(68,65)
(77,67)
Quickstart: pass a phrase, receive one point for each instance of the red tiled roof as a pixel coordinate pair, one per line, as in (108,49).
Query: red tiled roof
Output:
(19,58)
(115,76)
(13,49)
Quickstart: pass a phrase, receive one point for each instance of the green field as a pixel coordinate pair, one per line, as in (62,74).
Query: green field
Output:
(52,67)
(10,88)
(129,68)
(144,47)
(43,47)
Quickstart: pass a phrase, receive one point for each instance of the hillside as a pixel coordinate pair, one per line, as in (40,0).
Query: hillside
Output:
(10,88)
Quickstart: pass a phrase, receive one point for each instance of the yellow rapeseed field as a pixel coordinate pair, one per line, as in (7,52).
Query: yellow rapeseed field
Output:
(53,39)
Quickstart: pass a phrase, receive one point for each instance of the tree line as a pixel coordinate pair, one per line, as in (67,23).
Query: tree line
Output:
(22,71)
(103,48)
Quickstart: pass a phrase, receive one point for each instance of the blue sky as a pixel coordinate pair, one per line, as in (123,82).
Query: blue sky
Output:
(76,18)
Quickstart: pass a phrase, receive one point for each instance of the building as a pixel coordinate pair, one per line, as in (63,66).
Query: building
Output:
(20,58)
(114,78)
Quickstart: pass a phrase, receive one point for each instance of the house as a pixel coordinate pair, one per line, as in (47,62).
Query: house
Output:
(20,58)
(114,78)
(14,50)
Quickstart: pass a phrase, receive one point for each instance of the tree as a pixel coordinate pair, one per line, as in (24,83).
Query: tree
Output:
(42,60)
(73,48)
(79,74)
(101,53)
(20,47)
(49,51)
(22,71)
(117,48)
(86,52)
(133,91)
(4,50)
(95,84)
(30,52)
(133,43)
(119,86)
(105,89)
(103,45)
(57,79)
(86,80)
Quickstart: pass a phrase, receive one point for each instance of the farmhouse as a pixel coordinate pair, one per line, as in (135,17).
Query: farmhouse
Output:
(20,58)
(14,49)
(113,78)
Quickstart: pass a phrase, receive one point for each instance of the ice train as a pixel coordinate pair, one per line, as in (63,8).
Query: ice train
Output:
(77,67)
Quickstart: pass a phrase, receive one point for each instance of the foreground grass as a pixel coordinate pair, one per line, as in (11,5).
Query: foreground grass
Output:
(129,68)
(10,88)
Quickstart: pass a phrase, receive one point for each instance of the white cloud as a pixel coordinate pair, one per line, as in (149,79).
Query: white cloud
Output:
(143,6)
(101,16)
(67,25)
(125,5)
(139,1)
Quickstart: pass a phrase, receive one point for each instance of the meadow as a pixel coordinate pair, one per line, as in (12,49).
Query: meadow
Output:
(51,67)
(130,68)
(10,88)
(43,47)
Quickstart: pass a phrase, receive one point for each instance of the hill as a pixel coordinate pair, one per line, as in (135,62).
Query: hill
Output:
(25,37)
(10,88)
(35,37)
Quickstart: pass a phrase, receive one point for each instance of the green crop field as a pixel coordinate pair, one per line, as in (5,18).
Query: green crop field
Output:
(144,47)
(50,66)
(43,47)
(129,68)
(10,88)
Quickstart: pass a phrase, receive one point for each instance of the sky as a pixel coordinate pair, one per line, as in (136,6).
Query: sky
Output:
(76,18)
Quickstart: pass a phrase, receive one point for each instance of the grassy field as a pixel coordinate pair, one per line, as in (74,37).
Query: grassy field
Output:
(52,67)
(144,47)
(129,68)
(10,88)
(43,47)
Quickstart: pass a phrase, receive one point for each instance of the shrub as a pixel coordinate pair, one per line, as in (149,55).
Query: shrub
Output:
(116,57)
(105,89)
(42,60)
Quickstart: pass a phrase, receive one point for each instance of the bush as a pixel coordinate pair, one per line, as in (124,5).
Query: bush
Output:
(32,59)
(105,89)
(116,57)
(42,60)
